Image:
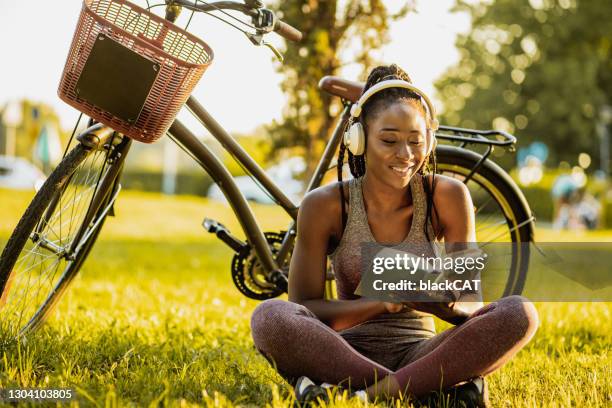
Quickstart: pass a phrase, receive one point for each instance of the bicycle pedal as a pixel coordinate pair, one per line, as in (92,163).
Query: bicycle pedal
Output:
(215,227)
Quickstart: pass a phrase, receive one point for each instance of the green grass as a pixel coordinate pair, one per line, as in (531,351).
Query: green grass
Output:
(154,318)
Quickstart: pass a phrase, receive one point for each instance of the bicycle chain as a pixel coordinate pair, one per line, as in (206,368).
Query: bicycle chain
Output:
(247,274)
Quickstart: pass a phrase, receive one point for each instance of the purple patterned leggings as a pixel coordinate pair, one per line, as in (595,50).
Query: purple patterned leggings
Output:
(292,338)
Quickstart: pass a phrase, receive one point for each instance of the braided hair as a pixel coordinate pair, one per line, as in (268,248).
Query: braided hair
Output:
(379,101)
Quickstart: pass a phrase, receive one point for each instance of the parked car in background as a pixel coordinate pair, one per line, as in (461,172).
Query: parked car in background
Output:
(283,174)
(18,173)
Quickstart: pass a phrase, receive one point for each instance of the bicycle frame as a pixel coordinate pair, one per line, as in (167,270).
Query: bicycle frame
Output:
(187,141)
(197,150)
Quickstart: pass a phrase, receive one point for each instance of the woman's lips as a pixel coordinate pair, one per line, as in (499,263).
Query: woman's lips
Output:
(401,171)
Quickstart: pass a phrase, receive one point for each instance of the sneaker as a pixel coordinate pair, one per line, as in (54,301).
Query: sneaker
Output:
(308,393)
(471,394)
(362,395)
(474,393)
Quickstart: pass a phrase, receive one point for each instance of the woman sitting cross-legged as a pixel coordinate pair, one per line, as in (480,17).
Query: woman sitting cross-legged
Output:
(379,348)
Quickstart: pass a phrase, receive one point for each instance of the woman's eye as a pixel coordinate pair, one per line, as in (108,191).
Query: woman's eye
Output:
(388,141)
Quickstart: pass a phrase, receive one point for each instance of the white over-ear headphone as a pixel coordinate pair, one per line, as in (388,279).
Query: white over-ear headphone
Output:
(354,137)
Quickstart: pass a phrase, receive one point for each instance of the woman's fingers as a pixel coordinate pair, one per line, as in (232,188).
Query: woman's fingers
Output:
(443,310)
(393,307)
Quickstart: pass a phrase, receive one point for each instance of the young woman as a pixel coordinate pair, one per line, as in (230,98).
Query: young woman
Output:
(385,349)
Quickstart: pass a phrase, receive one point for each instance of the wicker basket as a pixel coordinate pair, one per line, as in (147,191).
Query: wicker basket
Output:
(153,68)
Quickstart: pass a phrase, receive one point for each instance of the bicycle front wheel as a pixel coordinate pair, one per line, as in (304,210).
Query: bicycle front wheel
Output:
(501,214)
(55,235)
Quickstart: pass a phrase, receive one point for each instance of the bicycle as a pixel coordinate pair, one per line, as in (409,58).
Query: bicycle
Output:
(59,228)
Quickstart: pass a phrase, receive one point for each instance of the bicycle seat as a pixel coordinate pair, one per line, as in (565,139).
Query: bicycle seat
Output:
(349,90)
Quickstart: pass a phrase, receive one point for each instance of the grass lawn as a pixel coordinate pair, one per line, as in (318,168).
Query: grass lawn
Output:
(155,318)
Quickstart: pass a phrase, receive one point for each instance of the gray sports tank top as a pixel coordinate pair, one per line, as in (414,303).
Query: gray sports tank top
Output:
(411,325)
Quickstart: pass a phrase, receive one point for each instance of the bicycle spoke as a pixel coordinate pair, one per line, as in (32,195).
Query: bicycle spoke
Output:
(481,207)
(21,293)
(77,201)
(73,202)
(501,225)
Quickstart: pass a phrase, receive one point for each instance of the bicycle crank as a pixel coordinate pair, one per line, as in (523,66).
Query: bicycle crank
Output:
(247,273)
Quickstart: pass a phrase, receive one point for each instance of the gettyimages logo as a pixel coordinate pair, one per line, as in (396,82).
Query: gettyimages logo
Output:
(486,272)
(408,274)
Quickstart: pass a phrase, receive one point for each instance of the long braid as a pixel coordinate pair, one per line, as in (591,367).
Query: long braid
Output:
(430,167)
(361,164)
(340,165)
(351,162)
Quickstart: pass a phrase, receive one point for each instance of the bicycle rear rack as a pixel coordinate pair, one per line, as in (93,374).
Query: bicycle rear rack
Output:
(472,136)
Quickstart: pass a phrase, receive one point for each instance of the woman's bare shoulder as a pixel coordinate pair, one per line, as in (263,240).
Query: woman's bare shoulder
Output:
(322,206)
(447,189)
(324,200)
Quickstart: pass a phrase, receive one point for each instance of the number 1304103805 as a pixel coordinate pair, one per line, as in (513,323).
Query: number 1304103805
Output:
(36,394)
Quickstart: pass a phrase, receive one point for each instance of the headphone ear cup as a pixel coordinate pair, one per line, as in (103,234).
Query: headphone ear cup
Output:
(432,142)
(434,124)
(354,139)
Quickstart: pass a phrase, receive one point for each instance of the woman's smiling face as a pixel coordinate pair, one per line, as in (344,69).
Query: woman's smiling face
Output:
(396,143)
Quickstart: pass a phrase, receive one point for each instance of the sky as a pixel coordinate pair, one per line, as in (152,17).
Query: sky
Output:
(241,88)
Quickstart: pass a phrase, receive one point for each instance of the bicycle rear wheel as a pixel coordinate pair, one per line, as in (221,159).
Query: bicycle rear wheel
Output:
(56,233)
(502,214)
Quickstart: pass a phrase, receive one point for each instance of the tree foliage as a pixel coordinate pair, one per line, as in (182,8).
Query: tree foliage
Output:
(540,68)
(335,32)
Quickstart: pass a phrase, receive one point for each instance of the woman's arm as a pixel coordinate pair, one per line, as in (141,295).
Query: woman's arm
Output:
(459,230)
(455,213)
(455,223)
(342,314)
(318,220)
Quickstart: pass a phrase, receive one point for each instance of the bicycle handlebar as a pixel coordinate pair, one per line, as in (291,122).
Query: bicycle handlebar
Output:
(280,27)
(218,5)
(287,31)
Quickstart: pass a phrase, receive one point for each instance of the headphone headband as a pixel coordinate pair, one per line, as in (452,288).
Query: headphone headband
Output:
(395,83)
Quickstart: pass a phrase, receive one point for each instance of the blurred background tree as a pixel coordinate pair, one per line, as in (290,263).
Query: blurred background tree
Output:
(540,68)
(330,28)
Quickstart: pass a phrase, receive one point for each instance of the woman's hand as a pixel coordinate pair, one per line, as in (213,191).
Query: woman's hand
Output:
(443,310)
(393,307)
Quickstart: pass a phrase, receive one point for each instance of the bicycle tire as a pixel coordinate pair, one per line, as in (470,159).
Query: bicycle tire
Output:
(509,198)
(56,185)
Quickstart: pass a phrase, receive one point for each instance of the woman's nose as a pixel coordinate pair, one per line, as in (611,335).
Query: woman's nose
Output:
(404,151)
